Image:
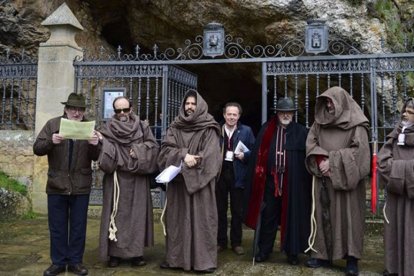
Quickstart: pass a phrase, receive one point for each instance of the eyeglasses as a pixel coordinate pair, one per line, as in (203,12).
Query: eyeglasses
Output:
(74,109)
(125,110)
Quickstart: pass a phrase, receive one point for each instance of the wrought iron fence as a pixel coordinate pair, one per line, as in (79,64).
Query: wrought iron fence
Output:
(18,84)
(155,92)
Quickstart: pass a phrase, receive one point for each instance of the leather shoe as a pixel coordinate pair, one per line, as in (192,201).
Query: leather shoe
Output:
(238,250)
(293,259)
(261,257)
(386,273)
(208,270)
(221,248)
(54,270)
(113,261)
(165,265)
(351,267)
(138,261)
(78,269)
(315,263)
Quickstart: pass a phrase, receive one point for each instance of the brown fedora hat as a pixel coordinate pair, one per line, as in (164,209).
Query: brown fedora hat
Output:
(75,100)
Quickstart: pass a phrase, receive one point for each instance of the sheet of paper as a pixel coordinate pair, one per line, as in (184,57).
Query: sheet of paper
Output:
(241,148)
(168,174)
(71,129)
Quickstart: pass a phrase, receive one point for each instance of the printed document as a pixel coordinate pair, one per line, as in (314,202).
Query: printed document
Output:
(168,174)
(240,148)
(71,129)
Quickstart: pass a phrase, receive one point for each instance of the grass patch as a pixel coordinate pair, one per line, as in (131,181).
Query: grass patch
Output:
(30,215)
(12,185)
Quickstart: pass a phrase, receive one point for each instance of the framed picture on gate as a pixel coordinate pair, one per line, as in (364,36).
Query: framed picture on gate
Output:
(109,95)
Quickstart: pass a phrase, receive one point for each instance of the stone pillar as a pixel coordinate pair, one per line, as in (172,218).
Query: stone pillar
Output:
(55,81)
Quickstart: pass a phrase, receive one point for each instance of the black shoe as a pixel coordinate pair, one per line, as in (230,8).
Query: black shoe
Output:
(138,261)
(78,269)
(113,261)
(315,263)
(54,270)
(293,259)
(207,271)
(260,257)
(165,265)
(351,266)
(386,273)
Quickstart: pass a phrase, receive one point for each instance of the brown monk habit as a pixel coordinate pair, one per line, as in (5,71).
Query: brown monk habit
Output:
(395,165)
(134,219)
(341,136)
(191,214)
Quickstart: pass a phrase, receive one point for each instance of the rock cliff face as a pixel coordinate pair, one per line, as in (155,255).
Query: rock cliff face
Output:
(168,23)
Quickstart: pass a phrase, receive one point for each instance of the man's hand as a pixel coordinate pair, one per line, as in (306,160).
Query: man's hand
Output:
(239,156)
(191,160)
(94,140)
(57,138)
(132,153)
(324,167)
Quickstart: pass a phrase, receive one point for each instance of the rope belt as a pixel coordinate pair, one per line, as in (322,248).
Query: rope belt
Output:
(313,224)
(112,226)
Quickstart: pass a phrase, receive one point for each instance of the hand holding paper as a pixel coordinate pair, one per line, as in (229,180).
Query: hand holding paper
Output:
(240,148)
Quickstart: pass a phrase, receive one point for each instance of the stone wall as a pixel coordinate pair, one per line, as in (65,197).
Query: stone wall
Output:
(16,155)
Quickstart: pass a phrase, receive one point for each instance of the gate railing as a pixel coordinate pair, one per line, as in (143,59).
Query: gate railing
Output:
(18,84)
(155,92)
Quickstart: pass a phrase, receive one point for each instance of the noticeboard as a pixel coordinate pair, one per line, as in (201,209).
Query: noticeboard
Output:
(109,95)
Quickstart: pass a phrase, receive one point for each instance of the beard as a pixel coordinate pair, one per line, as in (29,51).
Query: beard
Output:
(124,118)
(285,122)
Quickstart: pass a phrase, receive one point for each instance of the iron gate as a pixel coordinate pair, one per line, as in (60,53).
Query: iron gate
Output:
(378,82)
(18,82)
(155,92)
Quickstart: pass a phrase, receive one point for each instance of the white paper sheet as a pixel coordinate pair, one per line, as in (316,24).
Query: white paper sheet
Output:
(240,148)
(168,174)
(71,129)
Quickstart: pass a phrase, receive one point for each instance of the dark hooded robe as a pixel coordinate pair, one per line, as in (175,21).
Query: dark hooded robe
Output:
(294,208)
(395,165)
(191,212)
(134,218)
(341,136)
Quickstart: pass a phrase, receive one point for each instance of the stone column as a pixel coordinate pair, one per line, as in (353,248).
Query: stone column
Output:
(55,81)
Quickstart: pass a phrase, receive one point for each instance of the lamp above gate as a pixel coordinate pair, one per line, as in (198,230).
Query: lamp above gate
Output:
(316,36)
(213,39)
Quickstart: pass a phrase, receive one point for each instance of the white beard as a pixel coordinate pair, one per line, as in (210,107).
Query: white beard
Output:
(285,122)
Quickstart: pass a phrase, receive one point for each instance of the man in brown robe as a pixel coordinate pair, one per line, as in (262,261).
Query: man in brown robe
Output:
(129,154)
(191,213)
(395,165)
(338,156)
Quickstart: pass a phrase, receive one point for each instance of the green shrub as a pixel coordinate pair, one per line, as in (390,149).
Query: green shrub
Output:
(12,185)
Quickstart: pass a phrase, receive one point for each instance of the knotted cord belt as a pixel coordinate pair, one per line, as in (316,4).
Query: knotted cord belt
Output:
(112,226)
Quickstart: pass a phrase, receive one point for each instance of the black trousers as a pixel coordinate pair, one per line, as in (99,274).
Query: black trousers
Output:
(270,220)
(225,186)
(67,216)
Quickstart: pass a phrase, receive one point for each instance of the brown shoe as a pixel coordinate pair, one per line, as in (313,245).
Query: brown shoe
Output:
(238,250)
(220,248)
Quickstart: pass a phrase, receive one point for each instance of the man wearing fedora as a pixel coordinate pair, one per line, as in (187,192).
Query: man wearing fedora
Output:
(68,188)
(280,191)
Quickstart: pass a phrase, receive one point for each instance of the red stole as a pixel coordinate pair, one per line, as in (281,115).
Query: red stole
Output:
(259,178)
